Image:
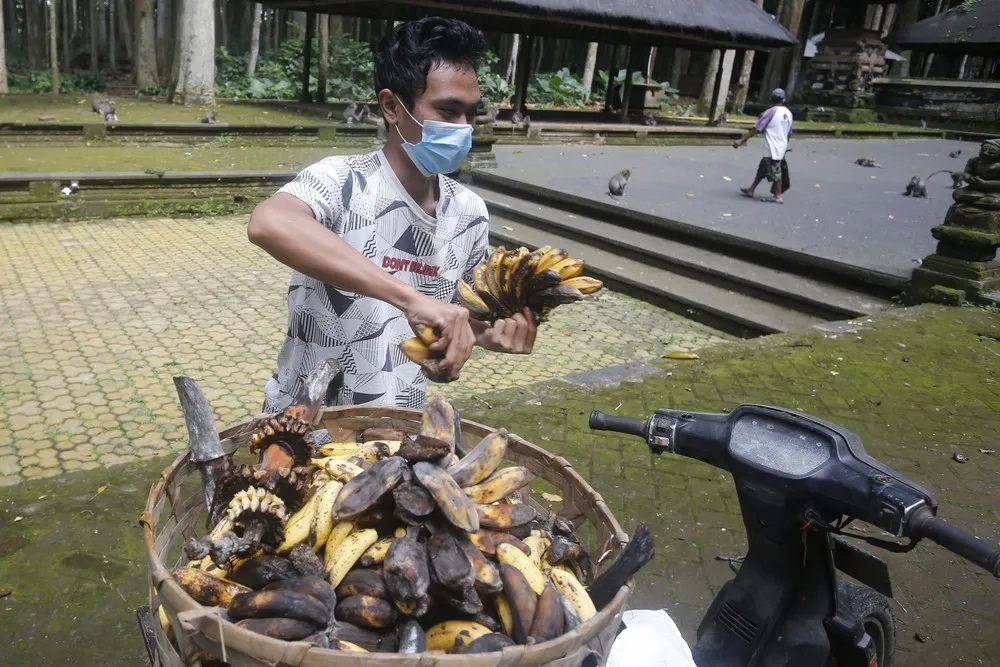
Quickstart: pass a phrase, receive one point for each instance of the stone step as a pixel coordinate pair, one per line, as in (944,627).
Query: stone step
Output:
(713,305)
(787,290)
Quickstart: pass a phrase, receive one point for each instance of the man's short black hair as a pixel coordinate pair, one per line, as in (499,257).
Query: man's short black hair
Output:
(409,52)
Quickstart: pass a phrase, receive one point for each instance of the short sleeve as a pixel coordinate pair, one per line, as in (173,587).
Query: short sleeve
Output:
(764,120)
(322,187)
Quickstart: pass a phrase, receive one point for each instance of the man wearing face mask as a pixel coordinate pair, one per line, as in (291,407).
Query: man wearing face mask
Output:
(377,242)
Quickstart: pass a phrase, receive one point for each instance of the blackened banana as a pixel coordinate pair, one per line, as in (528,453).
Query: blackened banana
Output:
(411,638)
(289,629)
(366,611)
(279,603)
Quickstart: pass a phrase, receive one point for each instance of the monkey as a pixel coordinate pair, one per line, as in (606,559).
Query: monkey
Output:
(958,179)
(108,112)
(955,153)
(650,120)
(154,172)
(349,111)
(917,187)
(97,102)
(210,117)
(494,112)
(867,162)
(923,124)
(616,186)
(363,114)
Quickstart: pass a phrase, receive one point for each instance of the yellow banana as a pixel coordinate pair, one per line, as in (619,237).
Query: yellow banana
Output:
(511,555)
(340,470)
(479,278)
(323,519)
(415,350)
(375,554)
(470,300)
(505,614)
(552,257)
(585,284)
(165,623)
(571,589)
(341,645)
(348,553)
(569,268)
(442,637)
(494,265)
(538,545)
(338,449)
(426,334)
(298,527)
(498,485)
(337,537)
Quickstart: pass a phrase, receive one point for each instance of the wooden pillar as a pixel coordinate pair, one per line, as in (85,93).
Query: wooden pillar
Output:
(307,56)
(637,57)
(612,71)
(722,79)
(522,72)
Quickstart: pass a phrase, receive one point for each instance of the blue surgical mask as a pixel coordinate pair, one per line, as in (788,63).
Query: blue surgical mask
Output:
(442,147)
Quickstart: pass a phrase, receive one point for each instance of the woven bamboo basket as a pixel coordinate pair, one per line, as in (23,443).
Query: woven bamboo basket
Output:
(175,511)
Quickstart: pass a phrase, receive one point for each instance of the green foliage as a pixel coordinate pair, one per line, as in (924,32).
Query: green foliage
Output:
(601,81)
(278,75)
(492,85)
(40,81)
(560,88)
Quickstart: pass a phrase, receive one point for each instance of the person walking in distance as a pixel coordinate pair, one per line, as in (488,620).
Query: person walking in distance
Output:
(378,241)
(776,126)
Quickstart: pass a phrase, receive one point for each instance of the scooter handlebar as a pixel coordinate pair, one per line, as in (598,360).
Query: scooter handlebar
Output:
(603,422)
(924,523)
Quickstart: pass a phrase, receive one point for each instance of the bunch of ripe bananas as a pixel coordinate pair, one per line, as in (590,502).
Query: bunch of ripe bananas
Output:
(403,546)
(505,283)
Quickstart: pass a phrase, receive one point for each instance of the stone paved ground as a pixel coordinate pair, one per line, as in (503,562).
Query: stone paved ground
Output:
(98,316)
(835,209)
(917,385)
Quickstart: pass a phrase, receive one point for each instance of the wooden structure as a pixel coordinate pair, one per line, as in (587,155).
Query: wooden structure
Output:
(635,25)
(175,511)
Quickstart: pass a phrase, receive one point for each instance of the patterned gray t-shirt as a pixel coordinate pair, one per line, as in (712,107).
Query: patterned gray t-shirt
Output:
(360,198)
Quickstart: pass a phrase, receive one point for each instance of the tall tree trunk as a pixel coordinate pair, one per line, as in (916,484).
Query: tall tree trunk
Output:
(196,54)
(112,42)
(708,87)
(336,30)
(163,38)
(34,32)
(3,56)
(515,47)
(223,36)
(64,24)
(124,27)
(54,45)
(268,20)
(146,73)
(254,40)
(679,66)
(588,69)
(743,81)
(651,63)
(94,54)
(74,18)
(324,58)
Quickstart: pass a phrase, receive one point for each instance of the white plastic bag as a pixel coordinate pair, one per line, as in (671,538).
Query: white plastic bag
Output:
(650,639)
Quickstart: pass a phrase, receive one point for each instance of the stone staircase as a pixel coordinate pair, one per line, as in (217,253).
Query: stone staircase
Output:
(733,284)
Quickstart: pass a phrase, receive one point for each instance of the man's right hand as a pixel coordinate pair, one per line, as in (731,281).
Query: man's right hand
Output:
(451,322)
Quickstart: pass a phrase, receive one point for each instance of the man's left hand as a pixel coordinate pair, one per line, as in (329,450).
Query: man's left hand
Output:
(513,335)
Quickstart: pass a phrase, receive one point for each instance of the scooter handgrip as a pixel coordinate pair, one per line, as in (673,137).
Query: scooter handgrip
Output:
(602,422)
(954,539)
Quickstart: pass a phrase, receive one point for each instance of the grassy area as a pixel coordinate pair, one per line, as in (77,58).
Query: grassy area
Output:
(76,109)
(185,158)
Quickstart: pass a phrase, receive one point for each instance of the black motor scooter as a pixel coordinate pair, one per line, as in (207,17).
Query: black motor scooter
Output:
(800,482)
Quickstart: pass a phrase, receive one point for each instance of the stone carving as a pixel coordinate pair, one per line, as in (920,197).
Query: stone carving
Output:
(964,265)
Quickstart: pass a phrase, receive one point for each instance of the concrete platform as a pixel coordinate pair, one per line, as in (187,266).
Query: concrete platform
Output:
(835,210)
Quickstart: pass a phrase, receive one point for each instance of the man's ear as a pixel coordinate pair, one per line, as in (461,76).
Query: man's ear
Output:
(389,105)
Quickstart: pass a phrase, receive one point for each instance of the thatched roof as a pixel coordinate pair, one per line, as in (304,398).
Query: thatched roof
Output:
(975,29)
(687,23)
